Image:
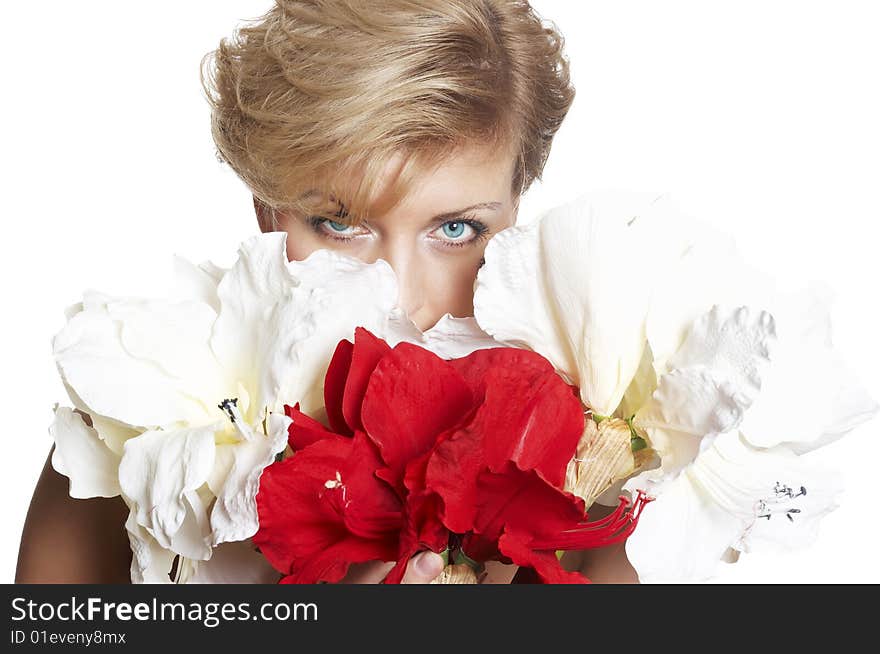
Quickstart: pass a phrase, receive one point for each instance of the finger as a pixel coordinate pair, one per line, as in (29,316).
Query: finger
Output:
(371,572)
(423,568)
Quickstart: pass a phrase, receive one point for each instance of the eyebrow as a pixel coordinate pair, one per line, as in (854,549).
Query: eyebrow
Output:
(439,218)
(449,215)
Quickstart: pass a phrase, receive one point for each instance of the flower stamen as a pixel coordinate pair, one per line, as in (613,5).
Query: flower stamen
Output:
(230,408)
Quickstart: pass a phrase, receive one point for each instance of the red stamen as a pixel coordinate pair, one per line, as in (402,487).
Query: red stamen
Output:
(611,529)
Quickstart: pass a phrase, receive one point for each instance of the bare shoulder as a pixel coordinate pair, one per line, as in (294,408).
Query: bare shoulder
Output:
(67,540)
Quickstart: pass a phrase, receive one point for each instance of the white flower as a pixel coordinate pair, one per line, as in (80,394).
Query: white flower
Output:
(449,338)
(579,287)
(722,501)
(748,489)
(711,381)
(657,319)
(809,396)
(186,395)
(732,497)
(576,286)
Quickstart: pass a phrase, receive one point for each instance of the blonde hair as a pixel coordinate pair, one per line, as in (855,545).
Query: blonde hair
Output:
(317,93)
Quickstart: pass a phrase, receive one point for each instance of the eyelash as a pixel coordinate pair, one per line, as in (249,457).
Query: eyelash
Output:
(481,230)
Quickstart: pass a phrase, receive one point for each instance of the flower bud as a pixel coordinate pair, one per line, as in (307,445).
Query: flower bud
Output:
(457,573)
(604,455)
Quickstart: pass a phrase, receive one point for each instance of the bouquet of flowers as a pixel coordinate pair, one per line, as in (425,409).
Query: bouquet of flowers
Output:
(282,420)
(467,457)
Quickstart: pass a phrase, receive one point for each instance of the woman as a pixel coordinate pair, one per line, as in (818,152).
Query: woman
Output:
(405,130)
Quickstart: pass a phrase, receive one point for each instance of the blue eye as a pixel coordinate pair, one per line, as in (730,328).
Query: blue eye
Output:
(334,230)
(460,233)
(337,227)
(453,230)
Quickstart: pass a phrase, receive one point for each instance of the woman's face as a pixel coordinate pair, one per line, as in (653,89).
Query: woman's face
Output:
(433,239)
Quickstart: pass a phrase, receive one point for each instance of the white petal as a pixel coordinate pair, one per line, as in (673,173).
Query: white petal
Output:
(641,388)
(192,539)
(113,381)
(112,432)
(150,562)
(715,378)
(249,294)
(510,295)
(695,401)
(850,407)
(735,342)
(681,535)
(235,563)
(160,474)
(710,272)
(570,287)
(809,397)
(793,491)
(224,457)
(723,500)
(234,516)
(337,294)
(174,336)
(676,450)
(83,457)
(280,321)
(71,310)
(450,338)
(196,282)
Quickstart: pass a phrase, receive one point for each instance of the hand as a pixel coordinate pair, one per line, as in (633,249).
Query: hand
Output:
(422,568)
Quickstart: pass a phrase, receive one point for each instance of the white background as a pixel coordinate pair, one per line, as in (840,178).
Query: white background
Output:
(759,116)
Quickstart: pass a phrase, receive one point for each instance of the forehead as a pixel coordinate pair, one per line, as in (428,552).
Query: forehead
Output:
(468,175)
(466,171)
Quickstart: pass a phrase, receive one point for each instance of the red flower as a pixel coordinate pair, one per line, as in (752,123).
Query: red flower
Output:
(501,476)
(522,518)
(425,453)
(323,509)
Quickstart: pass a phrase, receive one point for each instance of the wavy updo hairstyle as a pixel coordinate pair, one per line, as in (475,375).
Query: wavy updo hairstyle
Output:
(320,93)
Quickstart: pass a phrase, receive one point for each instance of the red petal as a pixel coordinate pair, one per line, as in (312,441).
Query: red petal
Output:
(368,351)
(480,548)
(292,522)
(544,563)
(611,529)
(452,471)
(334,386)
(525,502)
(422,525)
(302,520)
(540,553)
(372,508)
(422,530)
(539,431)
(473,367)
(541,428)
(412,397)
(331,564)
(304,431)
